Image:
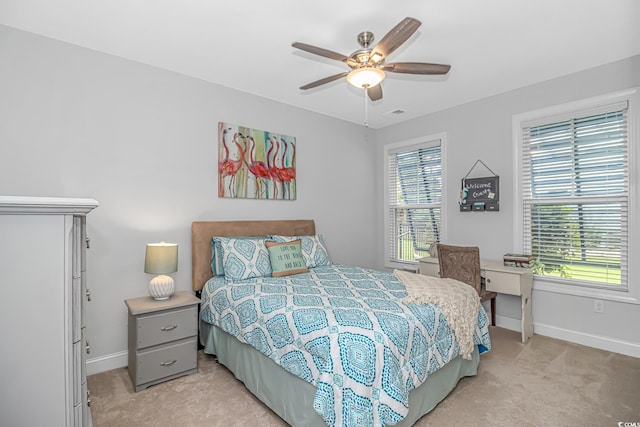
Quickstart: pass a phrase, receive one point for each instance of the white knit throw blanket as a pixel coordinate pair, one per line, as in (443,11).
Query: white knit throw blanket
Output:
(458,301)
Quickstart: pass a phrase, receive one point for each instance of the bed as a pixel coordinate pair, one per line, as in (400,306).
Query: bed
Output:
(296,377)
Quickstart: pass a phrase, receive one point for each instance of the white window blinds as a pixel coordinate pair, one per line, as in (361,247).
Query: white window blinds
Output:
(414,200)
(575,187)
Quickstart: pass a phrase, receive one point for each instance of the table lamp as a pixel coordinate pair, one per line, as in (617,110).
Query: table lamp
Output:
(161,258)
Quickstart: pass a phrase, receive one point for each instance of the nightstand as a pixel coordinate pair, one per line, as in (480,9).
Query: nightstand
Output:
(163,338)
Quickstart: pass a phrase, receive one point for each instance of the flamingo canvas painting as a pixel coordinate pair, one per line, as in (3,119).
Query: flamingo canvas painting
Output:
(255,164)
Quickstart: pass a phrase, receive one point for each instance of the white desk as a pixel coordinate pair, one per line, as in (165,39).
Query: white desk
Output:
(501,279)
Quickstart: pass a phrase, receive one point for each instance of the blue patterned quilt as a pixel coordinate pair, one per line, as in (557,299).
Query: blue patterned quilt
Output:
(343,329)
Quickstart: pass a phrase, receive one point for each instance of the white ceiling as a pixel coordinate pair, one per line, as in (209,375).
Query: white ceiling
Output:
(493,45)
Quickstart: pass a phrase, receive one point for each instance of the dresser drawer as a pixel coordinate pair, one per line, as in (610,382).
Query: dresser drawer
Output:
(76,386)
(165,327)
(76,309)
(502,283)
(165,361)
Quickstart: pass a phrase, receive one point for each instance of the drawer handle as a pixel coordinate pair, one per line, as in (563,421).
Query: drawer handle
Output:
(168,328)
(168,363)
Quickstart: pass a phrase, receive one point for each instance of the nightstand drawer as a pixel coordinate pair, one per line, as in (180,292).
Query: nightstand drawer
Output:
(502,283)
(166,361)
(165,327)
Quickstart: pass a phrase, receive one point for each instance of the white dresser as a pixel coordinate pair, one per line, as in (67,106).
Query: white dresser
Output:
(43,294)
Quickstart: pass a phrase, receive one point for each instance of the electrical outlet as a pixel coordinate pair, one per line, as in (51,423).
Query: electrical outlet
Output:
(598,306)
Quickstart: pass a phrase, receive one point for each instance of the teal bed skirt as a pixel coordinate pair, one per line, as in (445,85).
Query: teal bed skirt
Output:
(292,398)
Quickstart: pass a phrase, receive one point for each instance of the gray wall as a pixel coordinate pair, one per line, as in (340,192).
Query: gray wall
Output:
(483,130)
(143,142)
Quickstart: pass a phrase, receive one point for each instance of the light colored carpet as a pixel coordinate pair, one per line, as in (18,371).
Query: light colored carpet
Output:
(545,382)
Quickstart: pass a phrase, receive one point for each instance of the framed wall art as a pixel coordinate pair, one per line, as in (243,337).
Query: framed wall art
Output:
(255,164)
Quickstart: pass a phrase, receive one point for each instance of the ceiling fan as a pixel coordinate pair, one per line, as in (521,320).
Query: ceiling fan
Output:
(368,65)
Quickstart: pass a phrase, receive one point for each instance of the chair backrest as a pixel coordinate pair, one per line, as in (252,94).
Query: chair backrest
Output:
(461,263)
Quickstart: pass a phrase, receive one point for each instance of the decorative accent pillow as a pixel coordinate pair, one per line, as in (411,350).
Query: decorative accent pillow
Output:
(313,250)
(286,258)
(244,258)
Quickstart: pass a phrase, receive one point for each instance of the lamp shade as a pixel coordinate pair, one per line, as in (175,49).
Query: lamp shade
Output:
(161,258)
(365,77)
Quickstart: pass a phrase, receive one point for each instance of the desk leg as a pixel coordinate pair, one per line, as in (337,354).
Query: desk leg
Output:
(527,321)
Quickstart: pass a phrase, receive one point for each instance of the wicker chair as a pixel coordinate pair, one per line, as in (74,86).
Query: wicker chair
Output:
(463,263)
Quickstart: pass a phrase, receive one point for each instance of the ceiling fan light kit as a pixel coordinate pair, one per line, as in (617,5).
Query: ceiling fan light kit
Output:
(365,77)
(368,64)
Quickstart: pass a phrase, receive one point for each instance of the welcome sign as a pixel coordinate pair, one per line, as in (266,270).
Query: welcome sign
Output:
(480,194)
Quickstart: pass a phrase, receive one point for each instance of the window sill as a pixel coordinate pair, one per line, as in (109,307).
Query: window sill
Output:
(540,284)
(408,266)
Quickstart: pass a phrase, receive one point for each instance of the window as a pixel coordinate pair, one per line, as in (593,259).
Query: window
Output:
(413,203)
(574,193)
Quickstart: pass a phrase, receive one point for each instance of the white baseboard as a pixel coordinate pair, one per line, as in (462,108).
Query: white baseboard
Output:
(107,363)
(590,340)
(509,323)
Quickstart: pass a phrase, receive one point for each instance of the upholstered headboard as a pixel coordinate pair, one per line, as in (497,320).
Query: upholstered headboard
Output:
(203,231)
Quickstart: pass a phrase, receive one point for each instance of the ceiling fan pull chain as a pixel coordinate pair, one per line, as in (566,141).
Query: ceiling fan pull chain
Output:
(366,110)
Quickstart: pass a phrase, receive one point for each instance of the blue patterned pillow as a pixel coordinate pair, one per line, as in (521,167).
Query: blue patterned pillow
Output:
(313,250)
(217,265)
(244,258)
(217,268)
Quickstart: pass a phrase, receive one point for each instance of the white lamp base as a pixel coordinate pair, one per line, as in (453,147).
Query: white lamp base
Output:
(161,287)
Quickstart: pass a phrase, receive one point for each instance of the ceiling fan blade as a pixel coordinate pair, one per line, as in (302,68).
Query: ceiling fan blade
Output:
(320,51)
(394,38)
(323,81)
(416,68)
(375,93)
